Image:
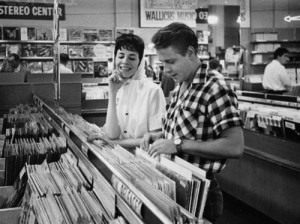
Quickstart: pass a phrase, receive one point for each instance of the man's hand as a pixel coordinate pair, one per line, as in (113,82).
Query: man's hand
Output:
(148,139)
(162,146)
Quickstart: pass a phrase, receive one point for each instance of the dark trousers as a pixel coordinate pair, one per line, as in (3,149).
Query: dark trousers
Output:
(214,205)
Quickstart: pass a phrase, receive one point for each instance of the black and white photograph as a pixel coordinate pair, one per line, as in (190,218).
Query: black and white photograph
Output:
(150,112)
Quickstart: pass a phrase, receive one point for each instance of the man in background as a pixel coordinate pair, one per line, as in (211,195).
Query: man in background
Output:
(276,79)
(64,59)
(13,64)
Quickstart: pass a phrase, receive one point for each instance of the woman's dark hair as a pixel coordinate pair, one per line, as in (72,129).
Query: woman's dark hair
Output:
(130,42)
(280,51)
(177,35)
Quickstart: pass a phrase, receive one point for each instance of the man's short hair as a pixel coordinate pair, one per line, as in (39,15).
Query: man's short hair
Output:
(64,58)
(177,35)
(280,51)
(214,64)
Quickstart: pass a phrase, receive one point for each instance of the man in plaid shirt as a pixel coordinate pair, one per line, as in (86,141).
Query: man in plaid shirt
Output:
(202,124)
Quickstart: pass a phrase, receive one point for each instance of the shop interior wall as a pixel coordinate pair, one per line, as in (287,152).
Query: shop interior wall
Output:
(268,16)
(104,14)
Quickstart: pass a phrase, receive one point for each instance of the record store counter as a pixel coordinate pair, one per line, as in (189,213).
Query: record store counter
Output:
(268,176)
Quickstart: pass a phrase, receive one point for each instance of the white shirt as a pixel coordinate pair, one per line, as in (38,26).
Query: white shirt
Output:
(275,77)
(140,108)
(62,68)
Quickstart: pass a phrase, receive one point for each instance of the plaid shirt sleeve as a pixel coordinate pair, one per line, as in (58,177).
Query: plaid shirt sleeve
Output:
(222,108)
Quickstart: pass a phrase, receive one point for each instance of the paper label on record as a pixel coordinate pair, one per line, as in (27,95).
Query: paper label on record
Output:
(85,149)
(67,130)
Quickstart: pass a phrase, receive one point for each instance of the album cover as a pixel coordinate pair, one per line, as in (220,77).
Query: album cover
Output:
(120,31)
(105,35)
(63,49)
(44,50)
(28,33)
(44,34)
(13,49)
(2,50)
(63,34)
(75,34)
(80,66)
(75,51)
(11,33)
(47,66)
(88,51)
(28,50)
(35,67)
(90,35)
(100,69)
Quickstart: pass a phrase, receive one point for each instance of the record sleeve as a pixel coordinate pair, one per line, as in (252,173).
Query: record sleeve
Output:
(75,51)
(100,69)
(75,34)
(80,66)
(29,50)
(44,50)
(27,33)
(11,33)
(105,35)
(90,35)
(43,34)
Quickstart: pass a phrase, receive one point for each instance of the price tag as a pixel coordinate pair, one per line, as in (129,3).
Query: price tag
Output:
(290,125)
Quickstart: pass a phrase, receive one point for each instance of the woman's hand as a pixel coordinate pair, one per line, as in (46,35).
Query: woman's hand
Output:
(115,81)
(98,136)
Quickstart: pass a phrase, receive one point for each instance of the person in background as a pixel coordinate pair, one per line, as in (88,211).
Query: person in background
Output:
(276,79)
(13,64)
(135,104)
(202,124)
(150,72)
(64,59)
(167,84)
(214,67)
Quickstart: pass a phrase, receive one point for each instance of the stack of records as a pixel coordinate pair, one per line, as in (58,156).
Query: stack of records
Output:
(29,138)
(59,193)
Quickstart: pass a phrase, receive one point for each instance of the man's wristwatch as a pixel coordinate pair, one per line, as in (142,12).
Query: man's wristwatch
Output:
(178,144)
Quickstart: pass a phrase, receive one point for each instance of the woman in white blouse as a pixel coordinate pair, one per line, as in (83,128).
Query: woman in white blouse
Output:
(136,104)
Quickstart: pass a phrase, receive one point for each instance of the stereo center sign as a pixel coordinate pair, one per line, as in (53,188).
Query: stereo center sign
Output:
(159,13)
(32,11)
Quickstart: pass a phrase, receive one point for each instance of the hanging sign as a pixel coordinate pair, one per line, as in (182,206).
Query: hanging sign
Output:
(244,14)
(161,13)
(32,11)
(202,15)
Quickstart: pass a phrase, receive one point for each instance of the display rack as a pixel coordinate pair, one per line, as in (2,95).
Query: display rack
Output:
(263,47)
(34,59)
(88,153)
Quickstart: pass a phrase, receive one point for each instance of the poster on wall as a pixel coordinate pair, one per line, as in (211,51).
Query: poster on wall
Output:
(245,13)
(159,13)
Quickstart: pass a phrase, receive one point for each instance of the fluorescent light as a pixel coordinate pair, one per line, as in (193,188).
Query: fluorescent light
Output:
(212,19)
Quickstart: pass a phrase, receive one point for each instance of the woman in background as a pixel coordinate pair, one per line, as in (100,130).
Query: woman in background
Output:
(135,104)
